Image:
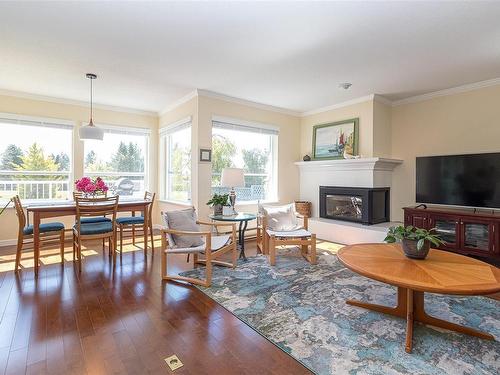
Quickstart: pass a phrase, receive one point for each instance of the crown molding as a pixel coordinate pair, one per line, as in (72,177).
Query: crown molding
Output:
(249,103)
(51,99)
(446,92)
(178,102)
(338,105)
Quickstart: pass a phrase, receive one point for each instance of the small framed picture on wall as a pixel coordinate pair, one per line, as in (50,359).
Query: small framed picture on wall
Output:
(205,155)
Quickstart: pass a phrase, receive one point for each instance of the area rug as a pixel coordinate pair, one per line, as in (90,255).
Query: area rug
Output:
(301,308)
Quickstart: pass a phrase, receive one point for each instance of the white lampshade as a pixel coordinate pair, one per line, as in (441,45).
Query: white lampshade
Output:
(91,132)
(232,177)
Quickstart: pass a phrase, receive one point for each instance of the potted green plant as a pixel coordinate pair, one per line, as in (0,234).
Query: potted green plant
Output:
(217,202)
(416,242)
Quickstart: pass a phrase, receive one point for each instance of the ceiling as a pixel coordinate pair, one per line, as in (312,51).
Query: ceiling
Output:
(287,54)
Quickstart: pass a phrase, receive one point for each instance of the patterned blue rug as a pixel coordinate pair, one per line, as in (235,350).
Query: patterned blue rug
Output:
(301,309)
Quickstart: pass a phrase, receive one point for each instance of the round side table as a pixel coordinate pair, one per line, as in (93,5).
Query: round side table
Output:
(242,218)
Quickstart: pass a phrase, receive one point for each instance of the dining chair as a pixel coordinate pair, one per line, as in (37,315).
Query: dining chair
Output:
(50,233)
(131,222)
(95,219)
(211,248)
(92,207)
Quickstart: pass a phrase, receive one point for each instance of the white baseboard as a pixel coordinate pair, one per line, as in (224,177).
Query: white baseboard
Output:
(8,242)
(348,233)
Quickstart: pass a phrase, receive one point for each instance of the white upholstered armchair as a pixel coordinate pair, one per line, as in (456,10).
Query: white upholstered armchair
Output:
(280,225)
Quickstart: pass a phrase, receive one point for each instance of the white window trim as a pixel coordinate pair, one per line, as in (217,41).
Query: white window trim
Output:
(163,149)
(47,122)
(274,132)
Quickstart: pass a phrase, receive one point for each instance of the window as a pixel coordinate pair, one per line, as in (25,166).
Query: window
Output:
(120,159)
(175,145)
(35,158)
(250,146)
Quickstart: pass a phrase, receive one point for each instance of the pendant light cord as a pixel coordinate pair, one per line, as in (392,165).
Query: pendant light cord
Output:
(91,108)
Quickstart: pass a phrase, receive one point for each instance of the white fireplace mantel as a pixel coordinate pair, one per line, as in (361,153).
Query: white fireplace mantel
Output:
(380,164)
(362,172)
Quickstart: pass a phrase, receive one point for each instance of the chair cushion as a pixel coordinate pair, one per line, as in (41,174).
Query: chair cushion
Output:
(281,218)
(95,228)
(290,234)
(46,227)
(95,219)
(218,242)
(183,220)
(130,220)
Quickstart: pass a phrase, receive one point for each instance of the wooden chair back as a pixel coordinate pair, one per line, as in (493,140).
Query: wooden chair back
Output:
(81,195)
(21,217)
(90,207)
(151,197)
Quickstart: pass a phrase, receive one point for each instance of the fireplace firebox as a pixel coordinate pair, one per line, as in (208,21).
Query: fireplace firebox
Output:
(363,205)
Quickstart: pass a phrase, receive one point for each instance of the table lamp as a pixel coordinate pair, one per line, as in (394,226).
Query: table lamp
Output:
(232,177)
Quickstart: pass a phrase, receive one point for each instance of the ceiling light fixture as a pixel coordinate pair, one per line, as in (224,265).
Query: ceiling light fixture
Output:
(345,85)
(91,131)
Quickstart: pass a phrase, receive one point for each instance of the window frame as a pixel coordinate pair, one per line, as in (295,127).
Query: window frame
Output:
(132,130)
(47,122)
(164,160)
(257,127)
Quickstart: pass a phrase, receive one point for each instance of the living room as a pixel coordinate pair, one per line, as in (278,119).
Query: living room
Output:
(308,146)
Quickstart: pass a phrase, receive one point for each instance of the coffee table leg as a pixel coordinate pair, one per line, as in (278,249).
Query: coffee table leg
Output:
(399,310)
(410,305)
(423,317)
(409,321)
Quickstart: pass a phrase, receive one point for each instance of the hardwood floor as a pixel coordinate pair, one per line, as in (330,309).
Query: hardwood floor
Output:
(121,321)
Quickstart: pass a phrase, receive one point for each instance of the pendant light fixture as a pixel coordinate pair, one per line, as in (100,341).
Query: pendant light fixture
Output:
(91,131)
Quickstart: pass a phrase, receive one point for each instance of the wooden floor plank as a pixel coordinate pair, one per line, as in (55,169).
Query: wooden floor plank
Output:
(122,320)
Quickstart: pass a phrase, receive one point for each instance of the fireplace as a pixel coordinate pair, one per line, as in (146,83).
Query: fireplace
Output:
(363,205)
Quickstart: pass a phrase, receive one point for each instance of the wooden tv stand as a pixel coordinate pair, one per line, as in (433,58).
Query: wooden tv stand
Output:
(469,232)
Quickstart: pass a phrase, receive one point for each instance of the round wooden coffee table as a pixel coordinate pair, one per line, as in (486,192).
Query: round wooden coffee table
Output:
(441,272)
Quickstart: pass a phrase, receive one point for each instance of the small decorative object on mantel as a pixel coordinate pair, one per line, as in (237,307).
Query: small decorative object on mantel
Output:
(349,156)
(415,242)
(306,158)
(218,201)
(330,141)
(303,208)
(91,187)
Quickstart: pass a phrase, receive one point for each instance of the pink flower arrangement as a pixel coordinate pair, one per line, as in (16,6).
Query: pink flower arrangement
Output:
(91,187)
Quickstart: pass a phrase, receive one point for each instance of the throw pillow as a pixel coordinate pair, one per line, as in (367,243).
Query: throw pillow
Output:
(281,218)
(184,220)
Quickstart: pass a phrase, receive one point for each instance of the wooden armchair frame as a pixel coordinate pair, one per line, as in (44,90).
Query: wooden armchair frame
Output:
(210,257)
(267,244)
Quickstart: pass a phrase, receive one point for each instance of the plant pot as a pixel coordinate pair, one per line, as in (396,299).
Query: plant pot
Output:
(218,209)
(411,251)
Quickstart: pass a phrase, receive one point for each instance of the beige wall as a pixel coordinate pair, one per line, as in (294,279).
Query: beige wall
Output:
(461,123)
(78,115)
(363,110)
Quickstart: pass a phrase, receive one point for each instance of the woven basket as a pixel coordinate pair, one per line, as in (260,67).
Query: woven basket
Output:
(303,208)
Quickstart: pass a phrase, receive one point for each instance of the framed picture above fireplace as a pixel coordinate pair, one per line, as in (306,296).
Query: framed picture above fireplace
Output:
(331,140)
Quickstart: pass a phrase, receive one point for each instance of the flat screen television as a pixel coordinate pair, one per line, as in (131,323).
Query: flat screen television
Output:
(459,180)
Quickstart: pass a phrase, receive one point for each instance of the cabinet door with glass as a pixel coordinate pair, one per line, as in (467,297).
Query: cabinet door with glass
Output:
(477,235)
(448,229)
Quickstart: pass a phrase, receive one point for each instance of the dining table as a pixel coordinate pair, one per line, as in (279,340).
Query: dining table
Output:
(60,209)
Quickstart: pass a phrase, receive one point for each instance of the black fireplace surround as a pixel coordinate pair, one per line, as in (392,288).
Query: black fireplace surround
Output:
(362,205)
